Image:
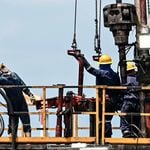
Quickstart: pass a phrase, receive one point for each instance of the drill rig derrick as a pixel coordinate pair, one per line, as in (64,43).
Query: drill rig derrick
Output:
(120,18)
(143,59)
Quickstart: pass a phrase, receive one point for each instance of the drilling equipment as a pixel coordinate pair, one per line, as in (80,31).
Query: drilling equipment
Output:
(120,18)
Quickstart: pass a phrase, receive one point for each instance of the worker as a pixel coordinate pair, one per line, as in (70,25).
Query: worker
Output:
(131,103)
(15,95)
(105,76)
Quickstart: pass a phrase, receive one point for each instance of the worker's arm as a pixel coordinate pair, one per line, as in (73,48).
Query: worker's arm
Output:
(4,81)
(21,82)
(89,68)
(92,70)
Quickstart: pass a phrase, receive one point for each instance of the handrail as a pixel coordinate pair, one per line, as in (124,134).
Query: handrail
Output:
(75,138)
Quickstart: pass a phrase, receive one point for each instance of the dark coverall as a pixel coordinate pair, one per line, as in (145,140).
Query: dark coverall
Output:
(17,99)
(106,76)
(131,103)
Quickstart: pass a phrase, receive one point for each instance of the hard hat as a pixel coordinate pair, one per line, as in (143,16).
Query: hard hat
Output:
(105,59)
(131,66)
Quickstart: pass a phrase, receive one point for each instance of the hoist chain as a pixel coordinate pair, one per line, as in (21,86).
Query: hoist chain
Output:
(97,41)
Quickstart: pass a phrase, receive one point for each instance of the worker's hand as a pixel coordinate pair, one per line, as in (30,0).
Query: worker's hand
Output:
(78,99)
(42,104)
(33,99)
(59,113)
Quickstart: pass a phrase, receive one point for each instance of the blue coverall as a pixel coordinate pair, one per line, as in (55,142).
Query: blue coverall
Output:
(131,103)
(17,99)
(106,76)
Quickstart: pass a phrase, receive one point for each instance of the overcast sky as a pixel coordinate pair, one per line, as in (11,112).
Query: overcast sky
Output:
(36,34)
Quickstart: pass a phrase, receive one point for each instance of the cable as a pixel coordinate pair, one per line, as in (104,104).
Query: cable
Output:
(127,49)
(134,126)
(74,43)
(99,37)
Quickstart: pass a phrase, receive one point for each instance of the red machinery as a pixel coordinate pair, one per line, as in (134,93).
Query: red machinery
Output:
(66,105)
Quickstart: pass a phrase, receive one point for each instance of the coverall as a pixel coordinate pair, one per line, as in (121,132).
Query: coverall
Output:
(106,76)
(131,103)
(17,99)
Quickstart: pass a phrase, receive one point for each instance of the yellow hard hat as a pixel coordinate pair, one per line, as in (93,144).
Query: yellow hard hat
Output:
(131,66)
(105,59)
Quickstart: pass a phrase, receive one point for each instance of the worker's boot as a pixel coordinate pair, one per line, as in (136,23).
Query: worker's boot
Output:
(28,134)
(9,135)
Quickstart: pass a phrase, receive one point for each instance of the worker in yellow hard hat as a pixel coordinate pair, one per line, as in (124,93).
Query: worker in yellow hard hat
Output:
(131,103)
(15,95)
(131,66)
(105,76)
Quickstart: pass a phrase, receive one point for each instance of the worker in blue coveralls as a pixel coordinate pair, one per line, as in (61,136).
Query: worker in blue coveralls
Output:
(131,103)
(16,98)
(105,76)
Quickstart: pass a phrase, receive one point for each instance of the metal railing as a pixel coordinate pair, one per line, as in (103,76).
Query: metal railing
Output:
(46,138)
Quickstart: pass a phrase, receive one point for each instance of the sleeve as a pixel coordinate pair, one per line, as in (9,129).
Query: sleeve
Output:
(3,81)
(92,70)
(21,82)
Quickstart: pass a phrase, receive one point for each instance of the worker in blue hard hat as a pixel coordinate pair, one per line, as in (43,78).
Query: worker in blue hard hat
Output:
(131,103)
(16,98)
(105,76)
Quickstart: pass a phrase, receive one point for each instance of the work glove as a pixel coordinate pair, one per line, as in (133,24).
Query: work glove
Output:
(33,99)
(59,113)
(79,55)
(86,64)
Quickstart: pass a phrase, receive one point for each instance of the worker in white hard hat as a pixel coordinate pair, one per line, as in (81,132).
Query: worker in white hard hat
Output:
(105,76)
(15,95)
(131,103)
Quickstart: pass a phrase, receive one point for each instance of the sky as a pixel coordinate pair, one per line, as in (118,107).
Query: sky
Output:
(36,34)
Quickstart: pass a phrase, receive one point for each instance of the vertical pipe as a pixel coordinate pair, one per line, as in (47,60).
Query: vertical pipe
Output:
(92,119)
(122,58)
(59,116)
(103,115)
(97,116)
(142,110)
(80,76)
(44,111)
(143,16)
(76,125)
(80,89)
